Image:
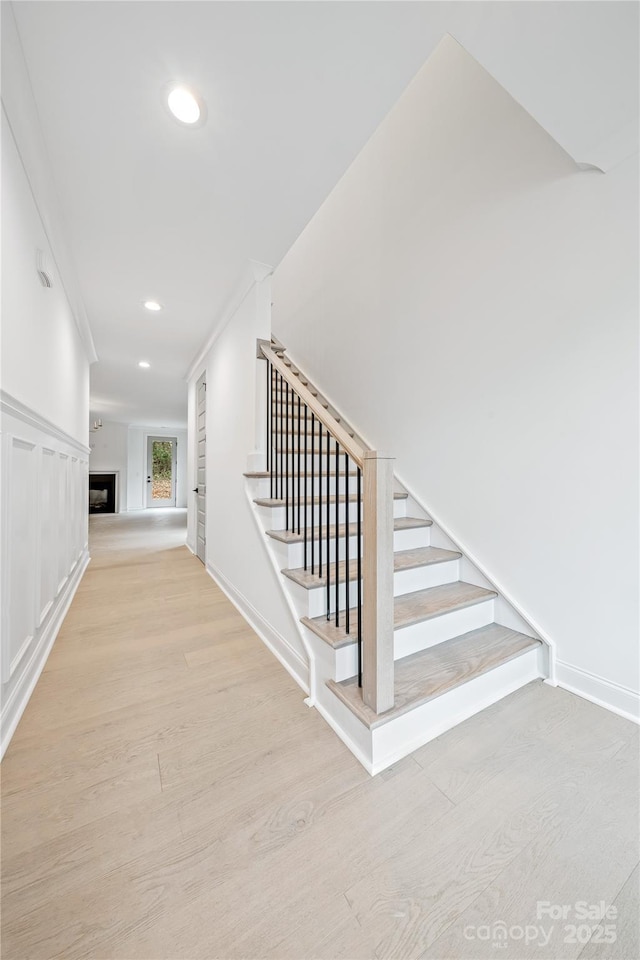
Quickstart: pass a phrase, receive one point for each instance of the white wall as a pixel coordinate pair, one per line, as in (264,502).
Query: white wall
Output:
(468,299)
(44,364)
(236,554)
(44,400)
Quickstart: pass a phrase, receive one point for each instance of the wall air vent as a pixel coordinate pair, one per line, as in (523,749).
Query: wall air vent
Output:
(43,269)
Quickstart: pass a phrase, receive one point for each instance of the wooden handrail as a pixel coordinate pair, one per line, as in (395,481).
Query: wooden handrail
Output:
(355,450)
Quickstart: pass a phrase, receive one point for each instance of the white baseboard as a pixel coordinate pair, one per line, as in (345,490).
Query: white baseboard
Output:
(14,706)
(348,741)
(612,696)
(276,643)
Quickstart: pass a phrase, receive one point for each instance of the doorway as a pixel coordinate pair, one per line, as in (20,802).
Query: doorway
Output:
(161,471)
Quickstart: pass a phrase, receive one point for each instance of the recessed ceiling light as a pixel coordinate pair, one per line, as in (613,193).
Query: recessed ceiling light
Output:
(144,364)
(153,305)
(184,105)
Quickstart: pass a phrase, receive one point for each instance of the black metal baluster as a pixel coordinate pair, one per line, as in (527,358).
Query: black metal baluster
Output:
(346,543)
(286,437)
(328,526)
(277,435)
(313,443)
(272,427)
(299,445)
(306,491)
(293,464)
(337,549)
(279,392)
(359,535)
(313,491)
(268,407)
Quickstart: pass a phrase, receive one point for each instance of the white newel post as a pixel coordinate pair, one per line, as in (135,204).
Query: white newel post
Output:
(259,457)
(377,613)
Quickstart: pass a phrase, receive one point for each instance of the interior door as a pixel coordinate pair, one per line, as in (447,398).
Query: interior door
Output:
(161,471)
(201,468)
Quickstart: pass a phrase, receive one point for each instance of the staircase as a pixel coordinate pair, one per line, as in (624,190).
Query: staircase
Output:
(454,645)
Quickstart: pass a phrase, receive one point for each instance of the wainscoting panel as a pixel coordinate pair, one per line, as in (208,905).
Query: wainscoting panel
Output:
(63,526)
(44,516)
(48,532)
(21,544)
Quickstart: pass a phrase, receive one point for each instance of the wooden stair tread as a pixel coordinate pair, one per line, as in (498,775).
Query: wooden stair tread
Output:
(422,557)
(430,673)
(402,560)
(434,601)
(291,536)
(408,609)
(275,502)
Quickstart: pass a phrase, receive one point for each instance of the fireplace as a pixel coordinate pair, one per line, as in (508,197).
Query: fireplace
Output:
(102,493)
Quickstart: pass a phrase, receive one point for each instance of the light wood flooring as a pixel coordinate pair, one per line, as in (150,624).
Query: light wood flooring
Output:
(168,794)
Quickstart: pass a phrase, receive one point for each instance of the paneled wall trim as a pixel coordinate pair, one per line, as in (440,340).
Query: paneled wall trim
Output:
(44,517)
(11,407)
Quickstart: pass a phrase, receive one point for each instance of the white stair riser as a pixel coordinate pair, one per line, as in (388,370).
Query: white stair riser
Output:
(292,443)
(420,636)
(411,539)
(313,462)
(275,518)
(293,555)
(280,551)
(281,426)
(400,737)
(299,597)
(263,485)
(346,661)
(337,664)
(317,599)
(419,578)
(404,581)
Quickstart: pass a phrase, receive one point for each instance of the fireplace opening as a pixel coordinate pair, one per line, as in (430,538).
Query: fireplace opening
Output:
(102,493)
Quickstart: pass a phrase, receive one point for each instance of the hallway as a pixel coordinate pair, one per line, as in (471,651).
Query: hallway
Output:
(168,794)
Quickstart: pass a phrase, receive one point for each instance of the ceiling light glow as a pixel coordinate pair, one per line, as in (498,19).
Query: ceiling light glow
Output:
(153,305)
(183,105)
(144,364)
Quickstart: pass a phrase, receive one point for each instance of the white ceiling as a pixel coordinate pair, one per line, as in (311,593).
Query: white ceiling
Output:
(294,90)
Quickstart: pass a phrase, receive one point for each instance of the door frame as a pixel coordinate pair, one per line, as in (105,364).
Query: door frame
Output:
(151,504)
